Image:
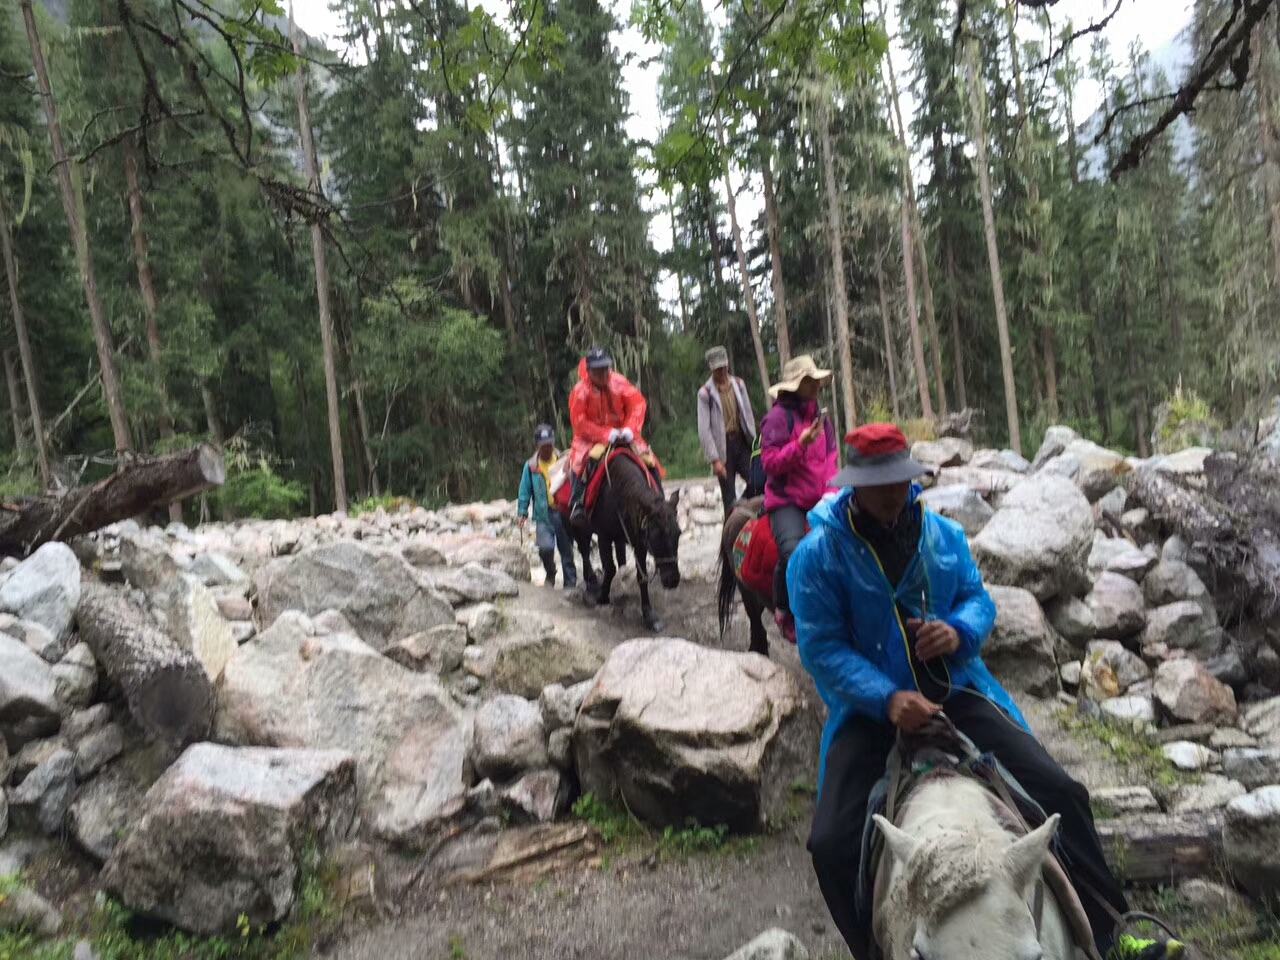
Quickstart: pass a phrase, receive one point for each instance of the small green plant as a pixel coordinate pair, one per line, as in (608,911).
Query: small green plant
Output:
(694,838)
(1129,748)
(457,949)
(611,823)
(254,486)
(390,502)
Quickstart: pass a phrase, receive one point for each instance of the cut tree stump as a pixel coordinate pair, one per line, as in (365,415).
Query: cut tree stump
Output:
(1155,848)
(167,689)
(132,490)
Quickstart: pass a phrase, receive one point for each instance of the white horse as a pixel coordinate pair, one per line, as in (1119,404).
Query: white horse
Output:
(961,886)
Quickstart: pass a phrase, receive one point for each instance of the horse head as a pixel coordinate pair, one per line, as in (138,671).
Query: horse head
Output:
(662,538)
(956,895)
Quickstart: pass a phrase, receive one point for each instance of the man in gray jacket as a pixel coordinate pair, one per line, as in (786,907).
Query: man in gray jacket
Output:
(726,426)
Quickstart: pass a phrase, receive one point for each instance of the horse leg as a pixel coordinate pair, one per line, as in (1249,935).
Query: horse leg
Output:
(590,583)
(642,578)
(755,613)
(610,571)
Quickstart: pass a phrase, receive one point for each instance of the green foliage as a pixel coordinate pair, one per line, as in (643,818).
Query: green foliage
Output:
(691,839)
(389,502)
(1130,748)
(611,823)
(253,487)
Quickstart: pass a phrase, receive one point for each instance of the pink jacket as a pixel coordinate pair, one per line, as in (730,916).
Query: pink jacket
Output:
(796,475)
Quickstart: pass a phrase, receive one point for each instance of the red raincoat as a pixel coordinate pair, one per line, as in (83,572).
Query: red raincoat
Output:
(593,413)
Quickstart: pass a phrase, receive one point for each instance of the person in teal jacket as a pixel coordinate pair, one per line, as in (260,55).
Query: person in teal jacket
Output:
(535,487)
(891,615)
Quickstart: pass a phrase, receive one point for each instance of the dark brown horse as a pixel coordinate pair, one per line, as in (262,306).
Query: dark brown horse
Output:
(629,512)
(754,603)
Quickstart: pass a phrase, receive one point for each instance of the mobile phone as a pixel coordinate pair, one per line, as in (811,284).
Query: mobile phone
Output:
(823,412)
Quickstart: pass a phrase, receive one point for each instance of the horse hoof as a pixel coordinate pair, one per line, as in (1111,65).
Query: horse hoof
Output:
(655,624)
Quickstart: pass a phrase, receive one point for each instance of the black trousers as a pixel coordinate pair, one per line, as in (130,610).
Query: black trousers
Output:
(737,463)
(788,530)
(856,760)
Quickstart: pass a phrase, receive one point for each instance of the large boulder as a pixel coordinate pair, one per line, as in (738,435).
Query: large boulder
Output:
(472,583)
(489,552)
(1118,556)
(1096,459)
(75,678)
(1117,605)
(196,624)
(508,738)
(28,693)
(525,667)
(1039,539)
(222,834)
(383,597)
(45,589)
(40,802)
(1189,694)
(1020,650)
(1055,442)
(102,812)
(439,649)
(1253,766)
(146,563)
(216,570)
(1181,625)
(288,687)
(1170,581)
(1251,842)
(944,452)
(1262,720)
(1073,619)
(680,731)
(962,504)
(1001,460)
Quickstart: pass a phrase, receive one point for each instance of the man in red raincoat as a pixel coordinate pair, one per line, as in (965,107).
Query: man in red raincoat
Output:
(604,407)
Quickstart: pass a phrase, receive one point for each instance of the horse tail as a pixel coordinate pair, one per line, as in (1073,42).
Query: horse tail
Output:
(728,589)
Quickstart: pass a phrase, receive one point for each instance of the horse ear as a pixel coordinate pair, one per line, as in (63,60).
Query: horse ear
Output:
(1027,854)
(675,500)
(901,845)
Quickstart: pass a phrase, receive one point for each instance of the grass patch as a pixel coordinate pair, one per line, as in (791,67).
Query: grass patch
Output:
(389,502)
(1129,748)
(1245,933)
(627,835)
(115,933)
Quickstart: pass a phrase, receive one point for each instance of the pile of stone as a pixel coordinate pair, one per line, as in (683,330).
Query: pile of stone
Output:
(1094,597)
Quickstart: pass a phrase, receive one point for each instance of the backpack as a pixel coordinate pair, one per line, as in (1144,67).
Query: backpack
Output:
(757,460)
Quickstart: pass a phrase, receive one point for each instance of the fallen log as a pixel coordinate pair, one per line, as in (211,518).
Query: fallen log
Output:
(166,687)
(1155,849)
(130,491)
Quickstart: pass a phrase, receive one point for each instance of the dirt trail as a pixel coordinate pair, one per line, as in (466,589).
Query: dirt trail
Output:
(700,908)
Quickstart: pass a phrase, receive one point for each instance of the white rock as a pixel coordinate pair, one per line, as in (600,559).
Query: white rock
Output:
(1211,793)
(943,452)
(75,677)
(1020,650)
(1055,441)
(773,944)
(45,589)
(1117,605)
(1188,693)
(482,621)
(1121,800)
(1118,556)
(40,802)
(1172,580)
(1070,673)
(1178,625)
(1072,618)
(1175,550)
(508,738)
(1039,539)
(1251,842)
(961,504)
(1129,710)
(1253,766)
(1262,720)
(28,693)
(1186,755)
(215,570)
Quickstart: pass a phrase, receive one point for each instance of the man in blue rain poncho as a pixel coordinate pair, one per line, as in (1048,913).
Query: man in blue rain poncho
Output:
(891,615)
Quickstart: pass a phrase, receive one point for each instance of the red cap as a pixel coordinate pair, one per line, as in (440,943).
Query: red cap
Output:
(875,439)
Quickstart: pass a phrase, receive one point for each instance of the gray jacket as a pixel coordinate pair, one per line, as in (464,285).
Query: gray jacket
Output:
(711,419)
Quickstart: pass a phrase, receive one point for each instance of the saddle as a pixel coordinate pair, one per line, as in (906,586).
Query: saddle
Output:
(936,751)
(755,555)
(593,476)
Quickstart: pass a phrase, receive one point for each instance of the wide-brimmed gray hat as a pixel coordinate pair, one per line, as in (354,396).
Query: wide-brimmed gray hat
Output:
(717,358)
(876,455)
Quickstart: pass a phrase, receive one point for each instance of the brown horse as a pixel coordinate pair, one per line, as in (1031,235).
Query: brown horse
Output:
(754,603)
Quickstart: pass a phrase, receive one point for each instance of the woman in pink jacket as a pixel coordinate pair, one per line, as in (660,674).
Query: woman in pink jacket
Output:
(799,451)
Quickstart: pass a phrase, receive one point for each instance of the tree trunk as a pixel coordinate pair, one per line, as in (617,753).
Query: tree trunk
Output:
(748,297)
(167,689)
(15,404)
(69,189)
(24,351)
(1159,849)
(917,231)
(675,242)
(835,237)
(913,319)
(1266,102)
(713,238)
(993,253)
(890,360)
(957,352)
(1139,407)
(775,253)
(322,286)
(132,490)
(830,339)
(1049,348)
(150,305)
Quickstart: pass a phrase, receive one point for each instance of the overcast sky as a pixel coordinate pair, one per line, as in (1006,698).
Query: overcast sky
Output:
(1152,23)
